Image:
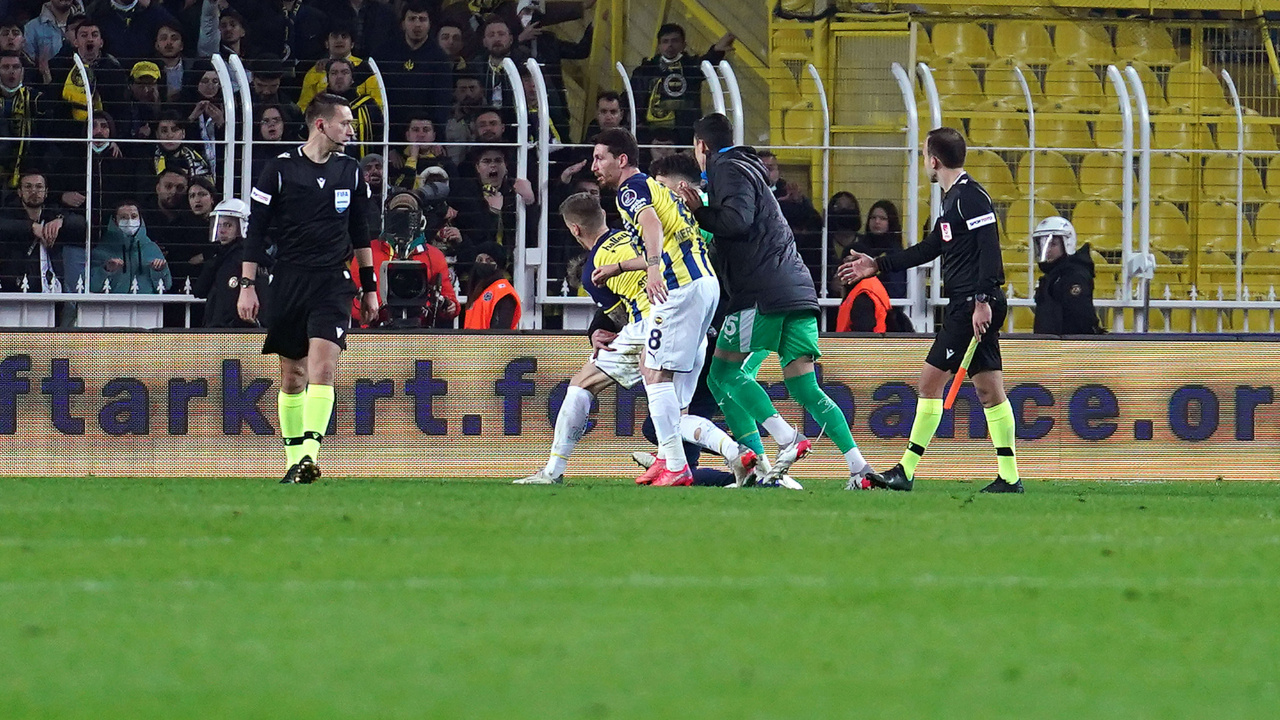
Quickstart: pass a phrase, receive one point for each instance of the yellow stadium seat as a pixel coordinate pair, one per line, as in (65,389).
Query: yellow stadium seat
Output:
(1018,222)
(1171,177)
(1145,41)
(1055,180)
(1259,137)
(1084,42)
(1063,134)
(958,86)
(964,41)
(1151,86)
(1219,179)
(1099,223)
(1108,133)
(1266,227)
(1177,136)
(993,172)
(1194,88)
(1026,42)
(1170,233)
(1002,131)
(924,48)
(1273,178)
(1215,228)
(1001,84)
(1102,176)
(1072,87)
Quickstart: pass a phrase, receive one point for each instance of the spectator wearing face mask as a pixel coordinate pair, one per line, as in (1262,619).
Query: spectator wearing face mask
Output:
(126,255)
(844,220)
(492,302)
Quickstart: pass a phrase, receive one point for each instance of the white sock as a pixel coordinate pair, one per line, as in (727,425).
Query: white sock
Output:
(664,408)
(858,465)
(780,430)
(571,423)
(704,433)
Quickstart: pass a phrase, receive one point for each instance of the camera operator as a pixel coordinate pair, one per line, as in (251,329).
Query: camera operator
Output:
(417,286)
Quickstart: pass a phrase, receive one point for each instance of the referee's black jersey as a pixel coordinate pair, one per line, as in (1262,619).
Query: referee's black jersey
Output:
(315,213)
(967,239)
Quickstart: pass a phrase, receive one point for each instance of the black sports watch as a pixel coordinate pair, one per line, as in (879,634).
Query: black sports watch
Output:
(981,297)
(247,282)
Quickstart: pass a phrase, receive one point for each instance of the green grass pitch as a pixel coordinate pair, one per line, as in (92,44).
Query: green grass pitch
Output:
(427,599)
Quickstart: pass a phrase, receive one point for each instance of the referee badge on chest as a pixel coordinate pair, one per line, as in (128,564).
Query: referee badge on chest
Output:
(341,200)
(946,231)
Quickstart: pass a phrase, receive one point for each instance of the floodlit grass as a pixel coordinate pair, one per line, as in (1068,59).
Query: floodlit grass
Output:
(415,599)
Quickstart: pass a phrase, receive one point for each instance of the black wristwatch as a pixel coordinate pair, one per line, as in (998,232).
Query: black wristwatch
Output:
(981,297)
(247,282)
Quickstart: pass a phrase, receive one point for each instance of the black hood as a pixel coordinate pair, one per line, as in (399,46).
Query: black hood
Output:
(743,153)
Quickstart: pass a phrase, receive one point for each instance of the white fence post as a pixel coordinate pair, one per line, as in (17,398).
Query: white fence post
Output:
(919,309)
(386,137)
(88,168)
(520,278)
(1139,93)
(826,176)
(228,126)
(935,190)
(542,191)
(626,89)
(735,98)
(713,82)
(246,126)
(1126,114)
(1240,160)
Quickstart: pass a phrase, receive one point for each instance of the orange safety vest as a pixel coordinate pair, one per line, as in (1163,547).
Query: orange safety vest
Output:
(481,311)
(874,288)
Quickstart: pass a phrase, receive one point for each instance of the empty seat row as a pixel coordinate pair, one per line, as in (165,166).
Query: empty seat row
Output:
(1101,176)
(1101,223)
(1011,131)
(1072,86)
(1030,42)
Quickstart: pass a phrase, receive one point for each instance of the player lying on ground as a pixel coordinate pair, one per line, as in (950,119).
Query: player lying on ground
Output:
(617,351)
(973,275)
(681,285)
(773,305)
(318,201)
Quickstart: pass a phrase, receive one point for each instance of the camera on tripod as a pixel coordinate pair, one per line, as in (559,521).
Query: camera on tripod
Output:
(410,292)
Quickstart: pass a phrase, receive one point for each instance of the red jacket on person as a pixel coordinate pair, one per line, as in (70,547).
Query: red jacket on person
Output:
(428,255)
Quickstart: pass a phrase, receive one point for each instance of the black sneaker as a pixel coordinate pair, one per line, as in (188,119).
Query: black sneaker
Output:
(308,470)
(290,477)
(894,479)
(1000,486)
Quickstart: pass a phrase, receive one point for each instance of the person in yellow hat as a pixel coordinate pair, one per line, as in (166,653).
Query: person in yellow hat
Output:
(142,109)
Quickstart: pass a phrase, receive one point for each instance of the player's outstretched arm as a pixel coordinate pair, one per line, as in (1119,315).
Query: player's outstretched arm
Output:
(922,252)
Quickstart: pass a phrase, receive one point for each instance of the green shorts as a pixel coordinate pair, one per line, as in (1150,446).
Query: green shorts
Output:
(791,335)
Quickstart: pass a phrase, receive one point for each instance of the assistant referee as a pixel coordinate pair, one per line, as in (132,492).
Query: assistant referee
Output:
(314,203)
(973,275)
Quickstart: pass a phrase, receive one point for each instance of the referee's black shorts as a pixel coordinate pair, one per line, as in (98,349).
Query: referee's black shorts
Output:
(307,303)
(957,330)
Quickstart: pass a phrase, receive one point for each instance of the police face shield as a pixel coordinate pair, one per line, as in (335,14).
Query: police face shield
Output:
(1049,246)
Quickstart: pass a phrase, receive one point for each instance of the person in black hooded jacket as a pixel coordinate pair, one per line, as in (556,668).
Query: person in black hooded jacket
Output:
(1064,297)
(219,281)
(772,307)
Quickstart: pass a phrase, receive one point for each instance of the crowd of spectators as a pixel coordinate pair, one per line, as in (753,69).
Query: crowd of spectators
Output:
(159,127)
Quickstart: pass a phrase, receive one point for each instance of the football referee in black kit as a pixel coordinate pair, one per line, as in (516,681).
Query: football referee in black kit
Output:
(973,275)
(314,203)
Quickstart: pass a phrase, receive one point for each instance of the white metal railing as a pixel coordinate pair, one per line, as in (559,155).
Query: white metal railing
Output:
(532,276)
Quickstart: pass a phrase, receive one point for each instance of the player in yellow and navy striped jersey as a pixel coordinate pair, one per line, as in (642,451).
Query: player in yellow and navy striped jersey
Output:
(619,336)
(681,285)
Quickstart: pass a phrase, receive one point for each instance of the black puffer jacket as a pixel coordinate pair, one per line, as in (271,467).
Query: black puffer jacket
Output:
(1064,297)
(758,261)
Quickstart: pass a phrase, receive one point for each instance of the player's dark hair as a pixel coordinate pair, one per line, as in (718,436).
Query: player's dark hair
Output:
(946,144)
(671,29)
(715,131)
(619,142)
(324,106)
(610,95)
(677,165)
(583,209)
